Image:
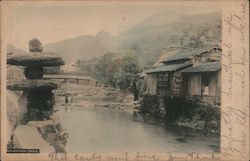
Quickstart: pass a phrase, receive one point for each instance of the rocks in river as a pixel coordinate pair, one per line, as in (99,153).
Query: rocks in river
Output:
(35,45)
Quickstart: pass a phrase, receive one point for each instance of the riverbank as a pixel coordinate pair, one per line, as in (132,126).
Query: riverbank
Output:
(183,112)
(161,122)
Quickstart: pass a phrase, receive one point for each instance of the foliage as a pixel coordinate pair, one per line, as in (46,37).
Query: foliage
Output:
(126,72)
(179,107)
(151,105)
(103,67)
(116,71)
(119,72)
(185,112)
(192,113)
(210,115)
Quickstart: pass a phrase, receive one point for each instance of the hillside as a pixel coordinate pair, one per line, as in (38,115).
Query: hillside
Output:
(152,37)
(148,39)
(86,46)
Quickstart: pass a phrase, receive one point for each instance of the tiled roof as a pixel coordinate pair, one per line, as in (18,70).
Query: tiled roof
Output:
(168,68)
(188,53)
(206,67)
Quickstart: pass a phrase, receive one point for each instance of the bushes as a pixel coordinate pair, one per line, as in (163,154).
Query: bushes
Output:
(151,105)
(210,116)
(178,107)
(185,112)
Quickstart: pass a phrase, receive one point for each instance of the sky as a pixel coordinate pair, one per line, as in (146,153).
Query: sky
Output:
(52,22)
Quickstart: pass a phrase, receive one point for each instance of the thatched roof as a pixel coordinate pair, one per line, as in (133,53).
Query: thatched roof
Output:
(168,68)
(187,54)
(206,67)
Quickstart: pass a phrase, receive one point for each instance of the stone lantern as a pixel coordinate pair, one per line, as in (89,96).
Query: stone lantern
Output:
(38,94)
(40,98)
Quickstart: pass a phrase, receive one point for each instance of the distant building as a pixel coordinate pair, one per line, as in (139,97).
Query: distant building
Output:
(188,73)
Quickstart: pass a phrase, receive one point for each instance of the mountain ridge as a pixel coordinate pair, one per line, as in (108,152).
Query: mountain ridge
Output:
(147,39)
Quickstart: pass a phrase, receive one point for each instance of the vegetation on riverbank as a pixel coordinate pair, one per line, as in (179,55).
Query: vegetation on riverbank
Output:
(117,72)
(183,112)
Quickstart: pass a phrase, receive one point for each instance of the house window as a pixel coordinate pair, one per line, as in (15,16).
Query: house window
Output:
(205,85)
(162,83)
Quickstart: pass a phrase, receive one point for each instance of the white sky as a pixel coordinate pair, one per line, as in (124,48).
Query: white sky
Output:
(51,22)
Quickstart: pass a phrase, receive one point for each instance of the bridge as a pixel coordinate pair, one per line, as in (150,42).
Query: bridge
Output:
(86,80)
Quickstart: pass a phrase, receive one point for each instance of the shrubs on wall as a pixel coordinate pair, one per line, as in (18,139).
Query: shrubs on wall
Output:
(178,107)
(152,105)
(182,111)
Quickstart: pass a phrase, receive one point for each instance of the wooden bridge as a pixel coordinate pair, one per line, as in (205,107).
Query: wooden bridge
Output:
(87,80)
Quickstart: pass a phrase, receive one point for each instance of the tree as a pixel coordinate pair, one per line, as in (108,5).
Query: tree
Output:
(102,68)
(125,76)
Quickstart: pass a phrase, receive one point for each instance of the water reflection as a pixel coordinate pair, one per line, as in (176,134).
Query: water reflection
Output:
(107,130)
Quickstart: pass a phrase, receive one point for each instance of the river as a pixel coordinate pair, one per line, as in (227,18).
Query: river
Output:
(110,130)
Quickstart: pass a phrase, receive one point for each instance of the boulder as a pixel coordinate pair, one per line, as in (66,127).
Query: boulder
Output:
(35,59)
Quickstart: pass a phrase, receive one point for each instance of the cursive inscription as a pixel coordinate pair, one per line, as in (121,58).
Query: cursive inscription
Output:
(235,63)
(139,156)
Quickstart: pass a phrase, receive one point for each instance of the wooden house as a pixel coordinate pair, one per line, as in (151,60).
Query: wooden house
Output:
(188,73)
(203,79)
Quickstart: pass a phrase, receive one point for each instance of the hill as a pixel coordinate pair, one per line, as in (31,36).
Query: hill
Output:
(148,39)
(157,33)
(86,46)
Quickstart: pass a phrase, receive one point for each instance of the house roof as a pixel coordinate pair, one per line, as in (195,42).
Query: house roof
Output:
(168,68)
(188,54)
(164,56)
(206,67)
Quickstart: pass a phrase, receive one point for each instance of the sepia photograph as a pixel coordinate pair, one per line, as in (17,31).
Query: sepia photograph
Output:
(113,78)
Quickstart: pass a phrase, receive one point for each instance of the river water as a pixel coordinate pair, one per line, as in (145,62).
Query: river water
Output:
(110,130)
